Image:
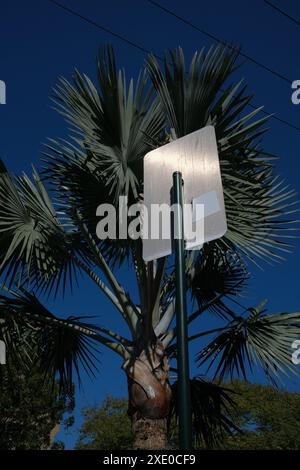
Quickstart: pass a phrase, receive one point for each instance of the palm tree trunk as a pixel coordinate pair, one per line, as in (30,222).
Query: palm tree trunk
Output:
(149,398)
(149,433)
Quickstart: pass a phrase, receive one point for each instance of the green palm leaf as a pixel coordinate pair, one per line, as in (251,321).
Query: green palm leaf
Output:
(212,411)
(217,272)
(259,339)
(114,126)
(187,95)
(258,206)
(35,246)
(56,346)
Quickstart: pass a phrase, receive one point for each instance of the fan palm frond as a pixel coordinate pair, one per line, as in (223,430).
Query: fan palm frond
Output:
(56,346)
(258,205)
(212,411)
(258,339)
(113,128)
(217,272)
(34,245)
(187,94)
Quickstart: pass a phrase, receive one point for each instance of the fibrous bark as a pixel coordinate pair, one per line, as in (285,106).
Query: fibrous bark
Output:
(149,397)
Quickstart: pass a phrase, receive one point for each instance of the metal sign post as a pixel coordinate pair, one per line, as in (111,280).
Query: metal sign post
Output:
(184,392)
(194,158)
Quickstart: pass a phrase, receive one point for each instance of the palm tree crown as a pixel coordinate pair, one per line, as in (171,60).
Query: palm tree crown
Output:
(43,246)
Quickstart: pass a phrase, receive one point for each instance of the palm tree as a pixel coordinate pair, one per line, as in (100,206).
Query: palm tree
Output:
(43,246)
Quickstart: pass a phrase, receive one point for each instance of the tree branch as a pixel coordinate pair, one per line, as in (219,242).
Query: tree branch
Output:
(113,345)
(166,319)
(127,305)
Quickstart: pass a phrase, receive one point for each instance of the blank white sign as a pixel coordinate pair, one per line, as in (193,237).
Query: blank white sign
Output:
(196,157)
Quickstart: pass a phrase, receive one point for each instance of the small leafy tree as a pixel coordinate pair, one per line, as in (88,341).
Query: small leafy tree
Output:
(268,419)
(31,410)
(43,247)
(105,428)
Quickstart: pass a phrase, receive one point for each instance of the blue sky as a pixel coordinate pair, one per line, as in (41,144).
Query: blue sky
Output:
(40,42)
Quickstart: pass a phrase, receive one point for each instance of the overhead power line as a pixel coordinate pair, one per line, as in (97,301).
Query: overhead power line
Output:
(147,51)
(215,38)
(282,12)
(97,25)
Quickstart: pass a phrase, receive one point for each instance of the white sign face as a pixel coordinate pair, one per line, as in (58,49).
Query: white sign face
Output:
(196,157)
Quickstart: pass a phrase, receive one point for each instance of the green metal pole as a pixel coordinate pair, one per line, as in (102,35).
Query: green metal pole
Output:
(184,392)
